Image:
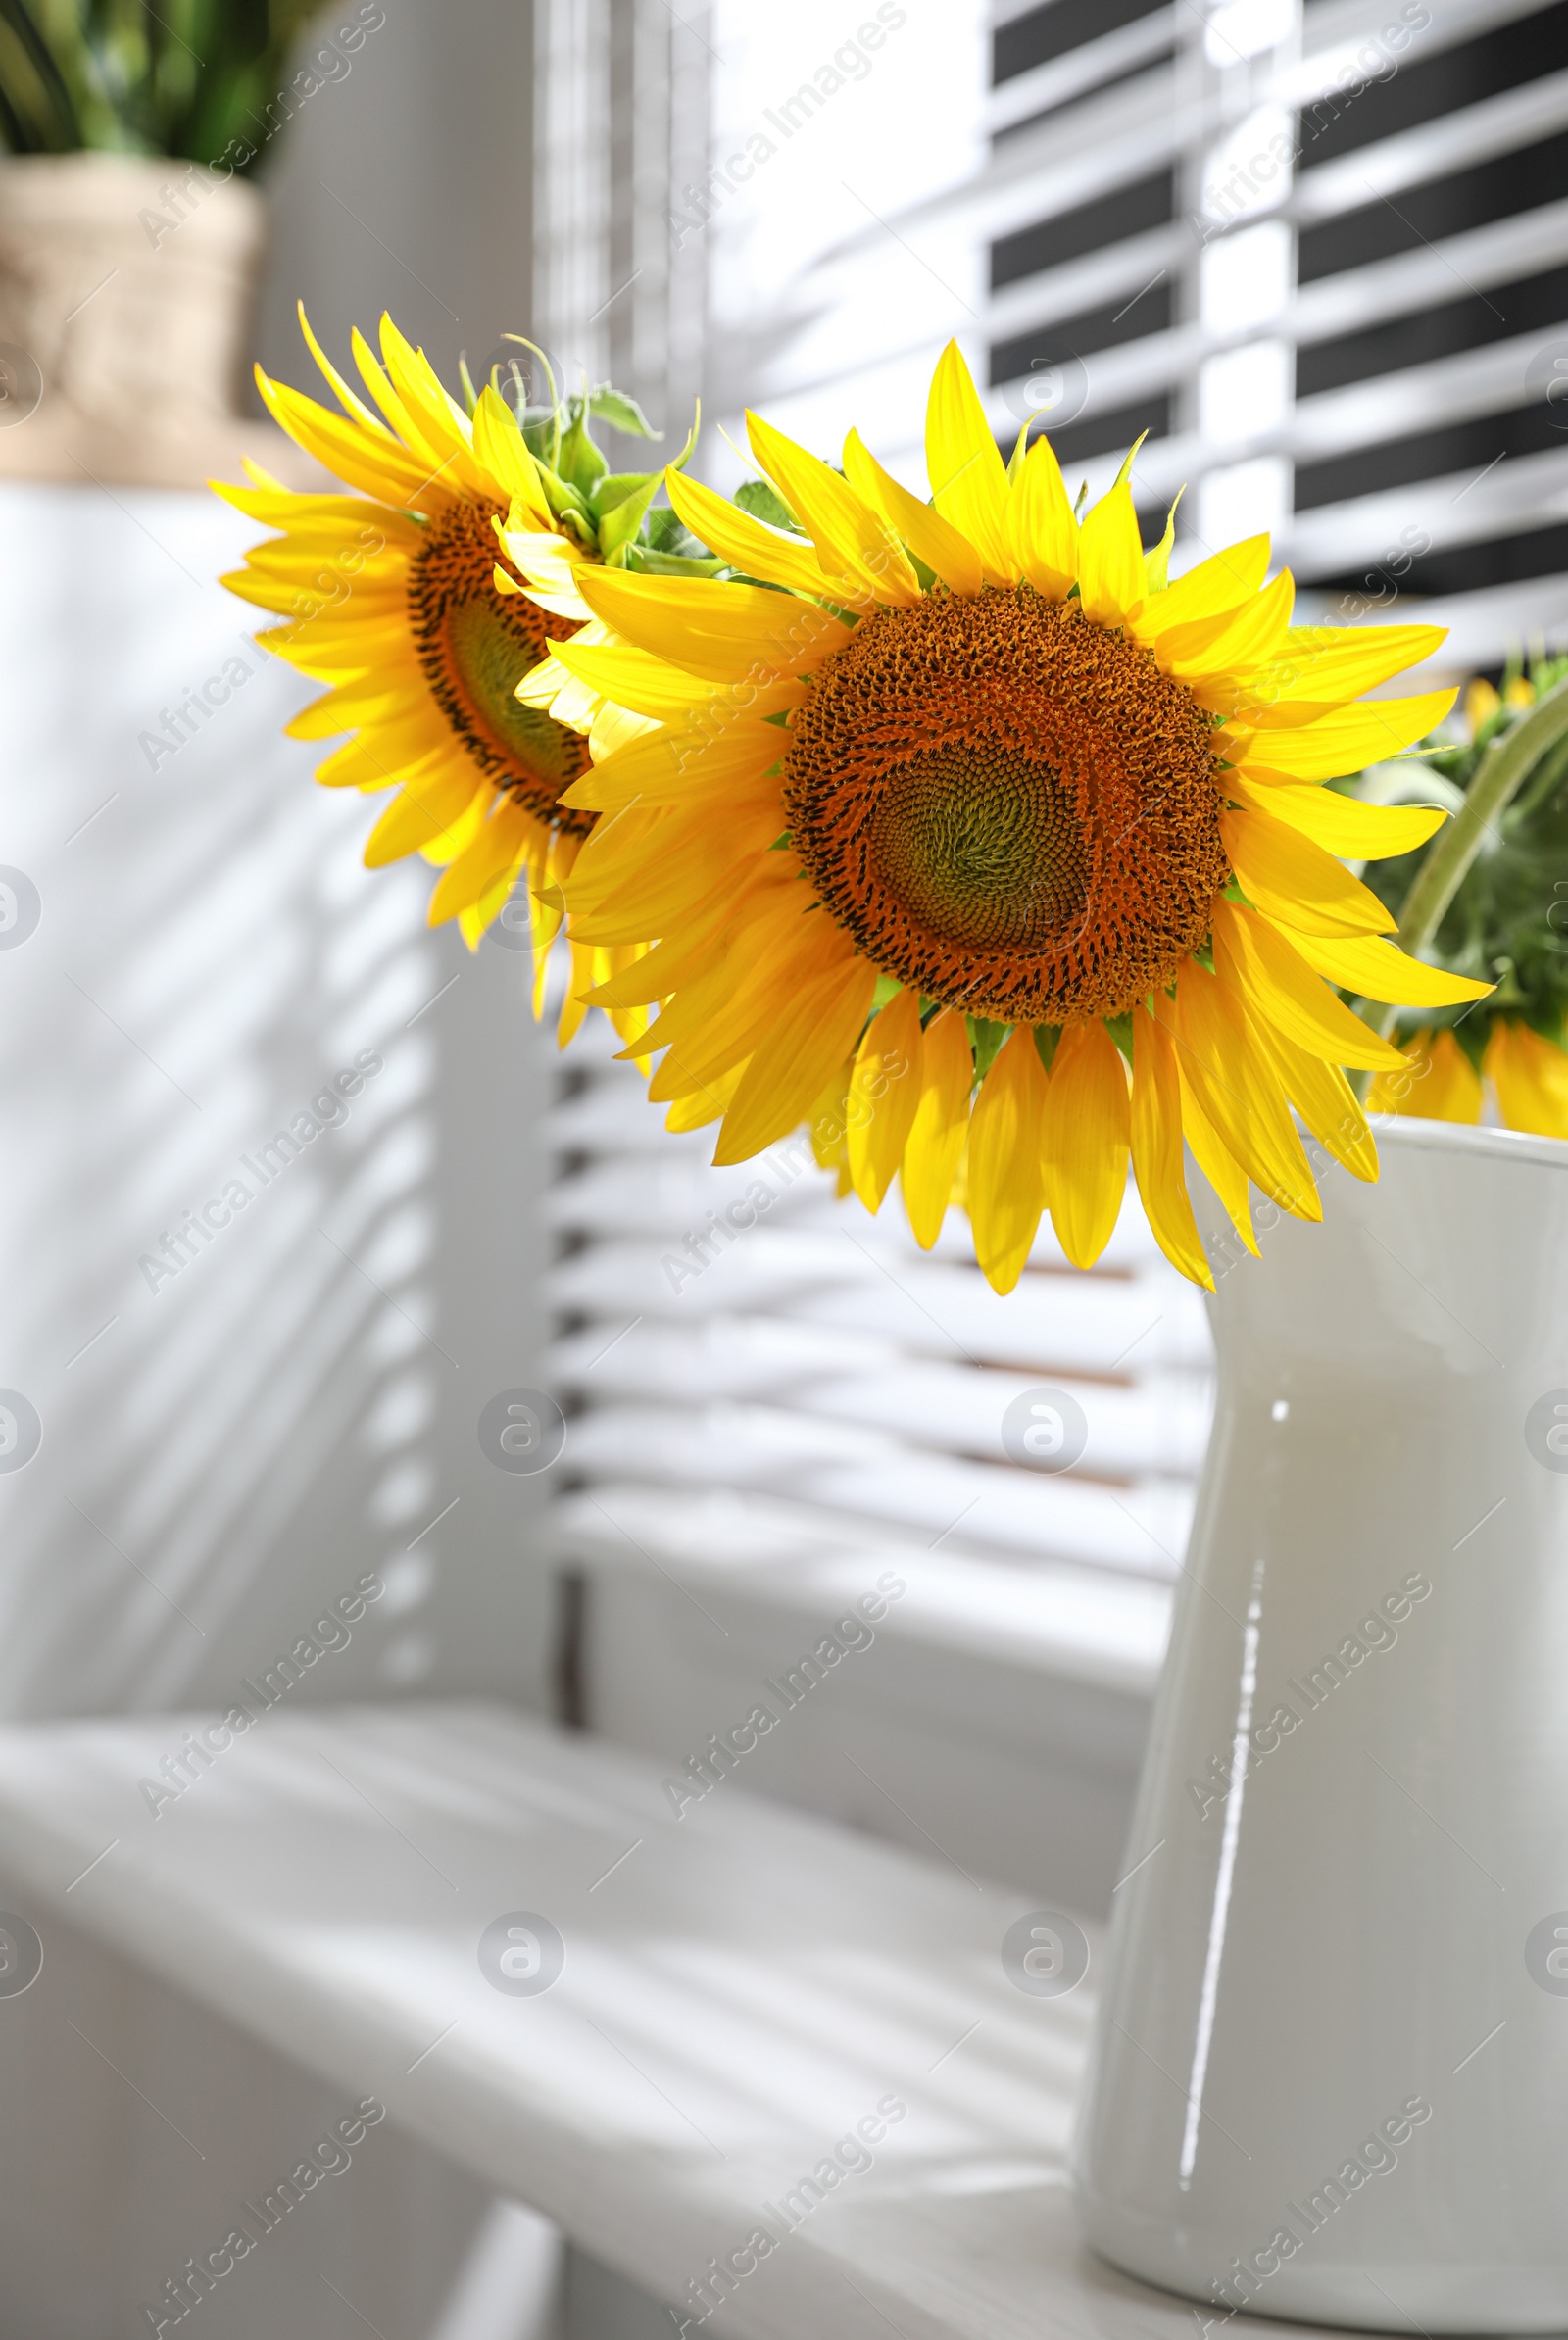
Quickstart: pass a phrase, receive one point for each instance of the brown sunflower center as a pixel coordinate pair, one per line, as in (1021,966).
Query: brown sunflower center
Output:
(475,646)
(1009,807)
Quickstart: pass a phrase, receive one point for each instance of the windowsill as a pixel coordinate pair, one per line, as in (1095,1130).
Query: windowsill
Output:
(1084,1626)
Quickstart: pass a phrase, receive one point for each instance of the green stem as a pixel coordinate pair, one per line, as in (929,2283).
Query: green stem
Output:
(1505,767)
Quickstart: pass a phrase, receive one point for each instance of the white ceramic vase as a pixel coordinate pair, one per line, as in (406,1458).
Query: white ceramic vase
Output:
(1331,2074)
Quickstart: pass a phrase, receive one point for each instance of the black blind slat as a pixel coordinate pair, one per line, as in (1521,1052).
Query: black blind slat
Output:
(1088,227)
(1422,89)
(1474,198)
(1048,32)
(1531,305)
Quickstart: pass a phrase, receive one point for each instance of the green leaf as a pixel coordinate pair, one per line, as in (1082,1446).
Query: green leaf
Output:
(764,501)
(613,407)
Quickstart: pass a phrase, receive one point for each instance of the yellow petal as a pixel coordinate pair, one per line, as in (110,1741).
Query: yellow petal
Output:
(497,852)
(726,633)
(1281,988)
(850,539)
(930,538)
(1218,1165)
(1345,741)
(742,539)
(1531,1077)
(1326,1102)
(1321,667)
(818,1027)
(968,478)
(1239,1090)
(941,1125)
(1041,528)
(1233,645)
(1156,1148)
(1007,1177)
(1378,970)
(1086,1131)
(706,1104)
(1341,825)
(1223,582)
(638,679)
(1296,882)
(419,812)
(374,463)
(500,447)
(884,1093)
(1111,581)
(678,765)
(1436,1082)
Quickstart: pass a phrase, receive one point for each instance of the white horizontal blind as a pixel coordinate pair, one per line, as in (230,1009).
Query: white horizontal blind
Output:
(1320,254)
(740,1346)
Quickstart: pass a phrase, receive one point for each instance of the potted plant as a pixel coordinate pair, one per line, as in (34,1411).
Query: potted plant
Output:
(131,228)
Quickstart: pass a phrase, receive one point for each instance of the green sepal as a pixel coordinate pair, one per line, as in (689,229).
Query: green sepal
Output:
(621,516)
(611,406)
(650,564)
(985,1037)
(1047,1039)
(579,461)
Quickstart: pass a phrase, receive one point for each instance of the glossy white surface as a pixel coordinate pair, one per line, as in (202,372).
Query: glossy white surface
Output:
(741,1988)
(1333,1918)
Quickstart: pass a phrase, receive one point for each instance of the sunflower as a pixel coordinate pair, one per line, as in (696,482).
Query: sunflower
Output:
(1438,1080)
(401,599)
(961,833)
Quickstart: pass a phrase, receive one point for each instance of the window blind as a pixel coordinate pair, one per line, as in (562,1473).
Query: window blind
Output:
(743,1336)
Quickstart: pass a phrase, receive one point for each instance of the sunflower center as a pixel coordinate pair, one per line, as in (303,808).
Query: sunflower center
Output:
(475,646)
(983,848)
(1010,808)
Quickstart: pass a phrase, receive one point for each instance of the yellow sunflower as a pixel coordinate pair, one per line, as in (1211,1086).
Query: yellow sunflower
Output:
(400,600)
(1437,1080)
(961,813)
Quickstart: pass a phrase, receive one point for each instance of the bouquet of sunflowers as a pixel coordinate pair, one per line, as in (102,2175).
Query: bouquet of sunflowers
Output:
(948,826)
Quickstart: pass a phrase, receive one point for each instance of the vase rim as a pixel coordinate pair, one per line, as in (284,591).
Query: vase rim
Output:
(1459,1137)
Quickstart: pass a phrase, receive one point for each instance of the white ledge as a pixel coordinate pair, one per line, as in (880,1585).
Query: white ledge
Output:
(741,1989)
(1078,1624)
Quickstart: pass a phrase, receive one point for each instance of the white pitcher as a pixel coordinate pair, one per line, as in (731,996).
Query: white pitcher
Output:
(1331,2071)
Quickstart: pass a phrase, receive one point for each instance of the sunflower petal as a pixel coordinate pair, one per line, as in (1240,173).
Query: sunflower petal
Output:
(930,538)
(1437,1082)
(1086,1131)
(941,1125)
(1296,882)
(1344,740)
(1531,1077)
(1041,528)
(1279,987)
(1112,583)
(745,541)
(1155,1135)
(1341,825)
(1006,1176)
(852,540)
(726,633)
(1235,1084)
(1326,1102)
(816,1031)
(1218,1165)
(883,1097)
(968,477)
(1379,970)
(1223,582)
